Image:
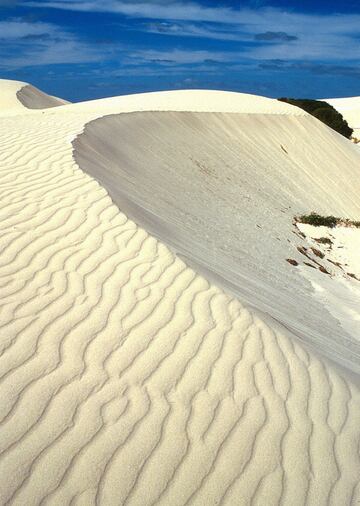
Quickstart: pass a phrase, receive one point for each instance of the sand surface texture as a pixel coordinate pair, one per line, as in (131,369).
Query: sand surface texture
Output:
(126,377)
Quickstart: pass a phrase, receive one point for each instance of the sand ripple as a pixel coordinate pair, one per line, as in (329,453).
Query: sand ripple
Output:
(127,379)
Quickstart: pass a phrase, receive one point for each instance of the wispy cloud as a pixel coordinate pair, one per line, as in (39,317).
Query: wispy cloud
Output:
(273,18)
(275,37)
(18,29)
(262,40)
(8,3)
(271,30)
(181,57)
(214,31)
(25,43)
(314,68)
(310,47)
(152,9)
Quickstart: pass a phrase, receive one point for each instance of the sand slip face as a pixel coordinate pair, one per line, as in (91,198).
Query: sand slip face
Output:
(32,98)
(223,189)
(126,378)
(17,96)
(339,290)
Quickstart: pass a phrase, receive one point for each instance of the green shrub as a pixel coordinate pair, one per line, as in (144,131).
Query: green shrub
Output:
(323,112)
(317,221)
(326,221)
(323,240)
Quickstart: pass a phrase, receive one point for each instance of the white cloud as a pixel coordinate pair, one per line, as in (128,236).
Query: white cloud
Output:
(26,44)
(17,29)
(181,57)
(310,36)
(56,53)
(143,9)
(254,20)
(227,32)
(306,37)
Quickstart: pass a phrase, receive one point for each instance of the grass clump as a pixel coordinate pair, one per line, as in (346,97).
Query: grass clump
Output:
(316,220)
(323,112)
(323,240)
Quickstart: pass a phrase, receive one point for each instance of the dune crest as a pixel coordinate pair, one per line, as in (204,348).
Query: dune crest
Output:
(129,379)
(32,98)
(17,97)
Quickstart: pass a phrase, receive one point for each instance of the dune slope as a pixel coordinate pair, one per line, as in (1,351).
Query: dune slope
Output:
(128,378)
(32,98)
(17,96)
(8,97)
(223,191)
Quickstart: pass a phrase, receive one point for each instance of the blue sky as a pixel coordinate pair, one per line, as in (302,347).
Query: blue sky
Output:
(85,49)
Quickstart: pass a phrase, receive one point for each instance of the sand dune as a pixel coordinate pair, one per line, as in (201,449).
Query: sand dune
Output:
(8,97)
(35,99)
(128,378)
(16,95)
(223,191)
(340,290)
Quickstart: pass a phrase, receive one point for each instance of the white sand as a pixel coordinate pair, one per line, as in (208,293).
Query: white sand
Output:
(189,100)
(127,378)
(8,95)
(17,96)
(340,291)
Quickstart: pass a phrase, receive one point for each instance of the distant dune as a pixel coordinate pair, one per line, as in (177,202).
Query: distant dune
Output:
(16,95)
(157,348)
(35,99)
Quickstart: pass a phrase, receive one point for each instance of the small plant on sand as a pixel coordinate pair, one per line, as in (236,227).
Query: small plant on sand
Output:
(317,221)
(323,240)
(325,221)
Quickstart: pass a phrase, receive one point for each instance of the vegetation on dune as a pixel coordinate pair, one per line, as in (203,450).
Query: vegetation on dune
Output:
(326,221)
(323,240)
(317,221)
(323,112)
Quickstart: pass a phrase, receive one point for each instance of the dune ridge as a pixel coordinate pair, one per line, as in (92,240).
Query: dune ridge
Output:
(126,377)
(17,96)
(187,100)
(8,98)
(32,98)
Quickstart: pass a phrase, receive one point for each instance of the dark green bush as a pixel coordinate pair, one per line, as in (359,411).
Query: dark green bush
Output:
(327,221)
(323,112)
(323,240)
(317,221)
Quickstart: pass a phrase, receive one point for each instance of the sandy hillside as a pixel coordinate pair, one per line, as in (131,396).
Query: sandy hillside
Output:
(126,376)
(223,189)
(350,109)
